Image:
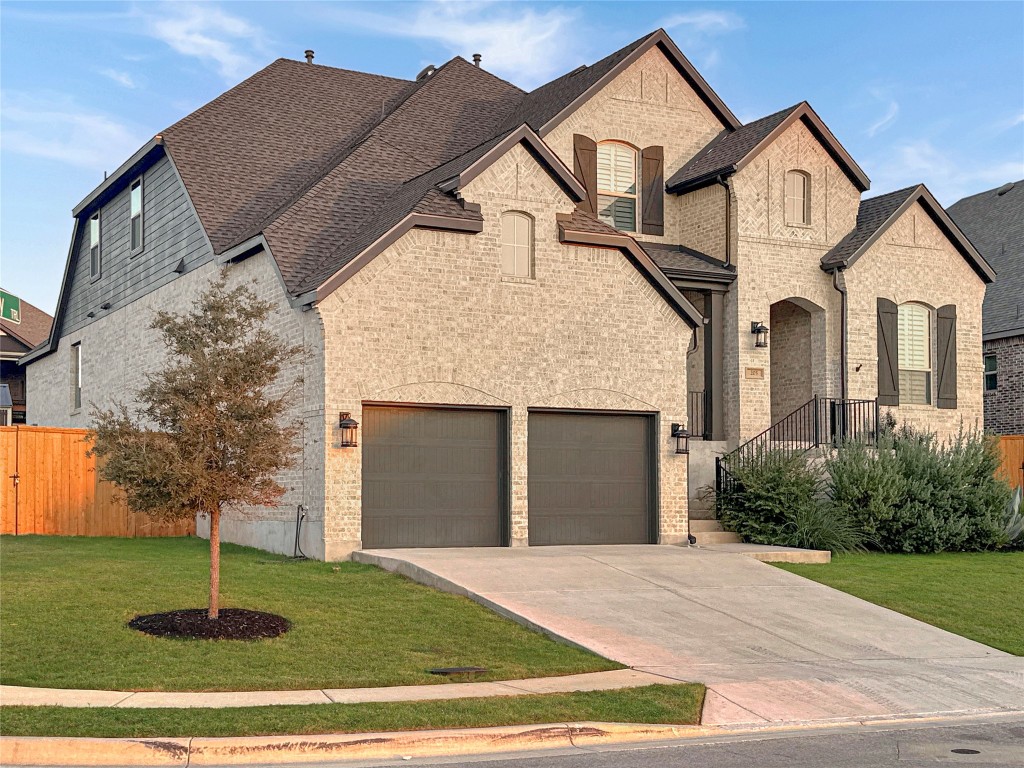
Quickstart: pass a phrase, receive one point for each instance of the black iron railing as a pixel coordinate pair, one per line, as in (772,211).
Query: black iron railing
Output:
(819,421)
(696,407)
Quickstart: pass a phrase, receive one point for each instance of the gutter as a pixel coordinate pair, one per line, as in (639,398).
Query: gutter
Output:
(726,183)
(842,332)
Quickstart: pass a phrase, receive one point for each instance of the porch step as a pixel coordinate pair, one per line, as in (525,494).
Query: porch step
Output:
(710,532)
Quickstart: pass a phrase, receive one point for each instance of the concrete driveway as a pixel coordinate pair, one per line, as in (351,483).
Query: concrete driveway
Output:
(770,646)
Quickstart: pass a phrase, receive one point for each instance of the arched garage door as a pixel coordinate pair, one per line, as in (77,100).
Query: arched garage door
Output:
(591,478)
(434,477)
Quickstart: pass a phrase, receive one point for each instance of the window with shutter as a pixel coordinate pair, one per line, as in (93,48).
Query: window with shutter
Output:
(95,256)
(617,185)
(915,348)
(798,198)
(516,244)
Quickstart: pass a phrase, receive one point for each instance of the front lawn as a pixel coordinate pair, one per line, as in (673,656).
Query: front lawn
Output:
(64,604)
(974,594)
(668,704)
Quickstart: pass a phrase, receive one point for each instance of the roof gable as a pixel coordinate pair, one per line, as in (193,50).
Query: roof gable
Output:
(547,106)
(733,150)
(877,214)
(34,327)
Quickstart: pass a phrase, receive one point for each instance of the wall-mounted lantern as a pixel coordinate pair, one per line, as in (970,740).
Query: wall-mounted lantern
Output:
(348,427)
(682,438)
(760,331)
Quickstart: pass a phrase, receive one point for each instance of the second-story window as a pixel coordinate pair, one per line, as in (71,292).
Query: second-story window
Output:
(798,198)
(136,221)
(76,376)
(616,185)
(95,263)
(516,244)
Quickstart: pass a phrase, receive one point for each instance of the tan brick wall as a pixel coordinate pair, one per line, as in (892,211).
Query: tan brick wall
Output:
(120,347)
(702,221)
(648,104)
(775,262)
(431,320)
(913,261)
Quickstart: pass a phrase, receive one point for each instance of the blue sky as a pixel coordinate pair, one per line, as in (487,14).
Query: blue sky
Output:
(916,91)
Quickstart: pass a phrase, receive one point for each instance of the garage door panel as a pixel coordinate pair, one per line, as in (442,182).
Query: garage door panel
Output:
(432,477)
(589,478)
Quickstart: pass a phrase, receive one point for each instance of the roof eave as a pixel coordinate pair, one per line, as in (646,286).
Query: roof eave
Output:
(136,160)
(689,72)
(699,182)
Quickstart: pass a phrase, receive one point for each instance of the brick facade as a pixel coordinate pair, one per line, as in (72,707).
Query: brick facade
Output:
(432,320)
(1004,405)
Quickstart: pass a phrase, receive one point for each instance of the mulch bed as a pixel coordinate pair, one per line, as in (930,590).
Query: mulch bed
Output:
(194,624)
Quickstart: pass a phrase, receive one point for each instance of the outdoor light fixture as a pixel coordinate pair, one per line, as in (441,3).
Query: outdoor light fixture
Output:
(682,436)
(348,427)
(760,331)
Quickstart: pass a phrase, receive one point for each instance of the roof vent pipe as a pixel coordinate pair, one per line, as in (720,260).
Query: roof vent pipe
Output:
(309,56)
(426,72)
(476,59)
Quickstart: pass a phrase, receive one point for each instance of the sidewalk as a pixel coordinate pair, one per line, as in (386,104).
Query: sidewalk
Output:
(11,695)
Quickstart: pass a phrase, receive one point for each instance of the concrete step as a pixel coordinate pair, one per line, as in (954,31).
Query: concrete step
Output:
(705,526)
(701,514)
(716,537)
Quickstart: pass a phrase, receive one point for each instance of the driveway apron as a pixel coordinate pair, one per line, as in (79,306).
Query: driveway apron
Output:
(770,645)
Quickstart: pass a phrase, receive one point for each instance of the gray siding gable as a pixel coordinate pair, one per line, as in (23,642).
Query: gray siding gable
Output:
(171,232)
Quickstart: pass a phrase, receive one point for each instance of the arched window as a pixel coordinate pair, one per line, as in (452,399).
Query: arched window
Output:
(616,185)
(516,244)
(915,354)
(798,198)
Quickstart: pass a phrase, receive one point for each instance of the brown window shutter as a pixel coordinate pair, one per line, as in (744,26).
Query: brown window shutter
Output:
(584,152)
(888,353)
(652,172)
(945,356)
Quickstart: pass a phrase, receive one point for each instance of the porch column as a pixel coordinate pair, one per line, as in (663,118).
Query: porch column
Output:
(714,415)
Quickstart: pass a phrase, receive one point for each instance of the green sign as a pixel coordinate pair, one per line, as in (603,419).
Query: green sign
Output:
(10,307)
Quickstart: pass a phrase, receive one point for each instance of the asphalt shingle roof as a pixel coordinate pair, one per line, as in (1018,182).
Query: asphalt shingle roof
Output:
(994,224)
(34,327)
(679,258)
(728,148)
(871,216)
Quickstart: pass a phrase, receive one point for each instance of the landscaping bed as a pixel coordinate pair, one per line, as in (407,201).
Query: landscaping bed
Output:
(65,604)
(668,704)
(973,594)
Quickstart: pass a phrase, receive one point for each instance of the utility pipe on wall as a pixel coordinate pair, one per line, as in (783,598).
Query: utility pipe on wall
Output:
(842,332)
(726,183)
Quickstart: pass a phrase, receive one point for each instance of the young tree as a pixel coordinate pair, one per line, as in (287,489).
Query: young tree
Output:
(206,434)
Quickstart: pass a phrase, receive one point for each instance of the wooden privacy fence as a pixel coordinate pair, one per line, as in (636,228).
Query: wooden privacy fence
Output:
(1012,448)
(50,486)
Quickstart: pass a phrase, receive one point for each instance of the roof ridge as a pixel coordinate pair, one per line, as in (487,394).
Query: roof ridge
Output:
(342,69)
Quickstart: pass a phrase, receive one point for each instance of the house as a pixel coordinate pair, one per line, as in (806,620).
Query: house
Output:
(524,300)
(22,327)
(994,221)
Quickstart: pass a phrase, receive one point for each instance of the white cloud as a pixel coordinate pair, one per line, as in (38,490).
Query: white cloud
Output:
(948,175)
(119,77)
(207,33)
(891,111)
(520,43)
(56,128)
(1010,122)
(707,22)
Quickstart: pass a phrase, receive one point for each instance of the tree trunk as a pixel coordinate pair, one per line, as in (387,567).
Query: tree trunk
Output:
(214,562)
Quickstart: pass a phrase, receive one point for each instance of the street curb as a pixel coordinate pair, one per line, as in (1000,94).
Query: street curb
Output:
(271,750)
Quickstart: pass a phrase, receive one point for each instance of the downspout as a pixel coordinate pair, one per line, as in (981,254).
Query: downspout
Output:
(726,183)
(842,332)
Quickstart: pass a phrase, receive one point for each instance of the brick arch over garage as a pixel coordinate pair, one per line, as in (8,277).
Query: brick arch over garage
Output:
(797,354)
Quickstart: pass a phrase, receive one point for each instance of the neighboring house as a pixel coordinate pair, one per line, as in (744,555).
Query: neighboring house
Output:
(518,296)
(17,338)
(994,221)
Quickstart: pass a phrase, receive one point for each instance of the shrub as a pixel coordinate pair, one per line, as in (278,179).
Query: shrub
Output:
(778,500)
(1012,524)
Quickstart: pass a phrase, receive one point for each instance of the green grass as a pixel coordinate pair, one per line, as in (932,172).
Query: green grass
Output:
(64,603)
(976,595)
(669,704)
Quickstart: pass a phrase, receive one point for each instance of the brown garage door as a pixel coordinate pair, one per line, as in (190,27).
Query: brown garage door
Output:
(590,479)
(433,477)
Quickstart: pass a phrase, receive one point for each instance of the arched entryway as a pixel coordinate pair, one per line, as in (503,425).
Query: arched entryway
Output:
(795,324)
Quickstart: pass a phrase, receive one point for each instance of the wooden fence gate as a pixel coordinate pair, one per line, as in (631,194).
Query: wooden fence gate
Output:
(1012,448)
(50,486)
